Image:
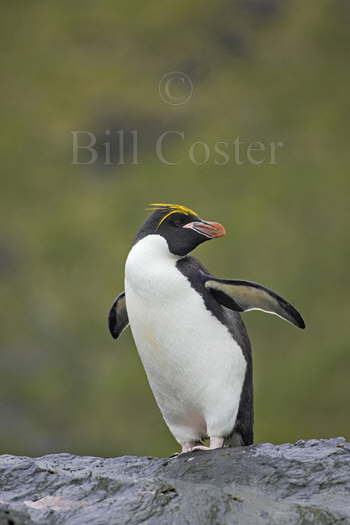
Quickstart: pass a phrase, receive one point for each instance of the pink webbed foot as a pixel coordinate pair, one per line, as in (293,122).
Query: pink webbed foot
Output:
(187,446)
(200,447)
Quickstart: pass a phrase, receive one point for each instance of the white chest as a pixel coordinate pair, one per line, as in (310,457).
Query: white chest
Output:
(194,366)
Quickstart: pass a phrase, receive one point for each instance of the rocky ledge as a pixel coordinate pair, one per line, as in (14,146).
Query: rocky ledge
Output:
(303,483)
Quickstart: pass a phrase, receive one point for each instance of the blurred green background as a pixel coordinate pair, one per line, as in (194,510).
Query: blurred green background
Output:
(262,71)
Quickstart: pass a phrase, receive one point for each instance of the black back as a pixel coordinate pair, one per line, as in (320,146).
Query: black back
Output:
(196,273)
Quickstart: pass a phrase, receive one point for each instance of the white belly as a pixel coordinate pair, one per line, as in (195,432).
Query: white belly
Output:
(195,368)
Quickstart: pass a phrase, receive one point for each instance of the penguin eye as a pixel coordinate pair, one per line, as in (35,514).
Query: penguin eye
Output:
(178,222)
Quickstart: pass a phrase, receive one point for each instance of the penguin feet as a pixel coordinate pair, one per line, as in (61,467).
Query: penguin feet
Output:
(188,446)
(215,442)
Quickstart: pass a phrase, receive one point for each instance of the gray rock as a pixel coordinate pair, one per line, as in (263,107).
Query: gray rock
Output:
(301,484)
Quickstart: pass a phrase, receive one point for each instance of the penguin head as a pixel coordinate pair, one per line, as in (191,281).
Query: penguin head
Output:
(181,227)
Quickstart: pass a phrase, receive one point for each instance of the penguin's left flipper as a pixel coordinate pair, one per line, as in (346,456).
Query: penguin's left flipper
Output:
(118,316)
(243,296)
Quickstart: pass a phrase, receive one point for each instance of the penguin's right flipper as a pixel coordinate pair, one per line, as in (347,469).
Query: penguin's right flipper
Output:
(118,316)
(243,296)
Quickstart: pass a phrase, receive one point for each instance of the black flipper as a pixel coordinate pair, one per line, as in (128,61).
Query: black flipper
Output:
(118,316)
(226,307)
(243,296)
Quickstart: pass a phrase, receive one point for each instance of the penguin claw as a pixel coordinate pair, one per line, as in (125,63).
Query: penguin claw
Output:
(200,447)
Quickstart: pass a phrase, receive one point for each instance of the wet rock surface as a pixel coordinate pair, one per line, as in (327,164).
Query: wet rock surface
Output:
(303,483)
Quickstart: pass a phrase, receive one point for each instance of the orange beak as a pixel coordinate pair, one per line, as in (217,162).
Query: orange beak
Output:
(209,229)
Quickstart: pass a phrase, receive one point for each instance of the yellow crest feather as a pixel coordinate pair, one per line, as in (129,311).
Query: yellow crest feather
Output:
(174,208)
